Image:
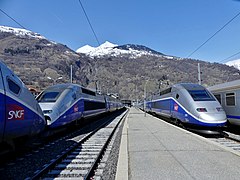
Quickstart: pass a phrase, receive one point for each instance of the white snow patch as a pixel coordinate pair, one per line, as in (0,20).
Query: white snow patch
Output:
(85,49)
(234,63)
(21,32)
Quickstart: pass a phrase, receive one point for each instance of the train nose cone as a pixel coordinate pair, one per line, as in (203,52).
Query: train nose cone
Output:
(219,117)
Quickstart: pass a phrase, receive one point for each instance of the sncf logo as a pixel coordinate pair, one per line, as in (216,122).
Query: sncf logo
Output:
(175,107)
(15,112)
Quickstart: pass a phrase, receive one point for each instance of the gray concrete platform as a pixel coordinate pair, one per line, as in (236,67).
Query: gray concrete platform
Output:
(153,149)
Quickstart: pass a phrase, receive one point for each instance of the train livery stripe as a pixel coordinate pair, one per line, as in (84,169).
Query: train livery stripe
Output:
(233,117)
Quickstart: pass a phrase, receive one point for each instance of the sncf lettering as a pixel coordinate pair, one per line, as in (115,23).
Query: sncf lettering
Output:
(16,115)
(15,112)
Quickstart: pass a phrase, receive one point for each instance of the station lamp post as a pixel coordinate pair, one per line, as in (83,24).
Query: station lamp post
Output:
(55,80)
(145,94)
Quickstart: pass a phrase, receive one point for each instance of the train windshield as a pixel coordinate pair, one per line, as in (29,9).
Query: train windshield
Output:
(48,97)
(201,95)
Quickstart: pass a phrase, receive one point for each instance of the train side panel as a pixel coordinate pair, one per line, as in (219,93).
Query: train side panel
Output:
(233,112)
(19,119)
(2,106)
(161,107)
(231,106)
(228,94)
(70,114)
(94,107)
(23,115)
(169,107)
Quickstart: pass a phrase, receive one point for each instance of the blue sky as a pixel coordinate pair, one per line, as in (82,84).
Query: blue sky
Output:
(174,27)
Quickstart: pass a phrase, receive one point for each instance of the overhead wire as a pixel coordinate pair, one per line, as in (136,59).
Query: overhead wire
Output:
(230,57)
(85,13)
(214,34)
(12,18)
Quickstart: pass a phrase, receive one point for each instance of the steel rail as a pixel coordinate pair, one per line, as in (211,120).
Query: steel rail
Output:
(61,157)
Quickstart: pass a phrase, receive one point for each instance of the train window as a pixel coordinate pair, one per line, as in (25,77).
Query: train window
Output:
(166,91)
(177,96)
(201,95)
(218,97)
(48,97)
(230,99)
(13,87)
(164,105)
(91,105)
(67,101)
(86,91)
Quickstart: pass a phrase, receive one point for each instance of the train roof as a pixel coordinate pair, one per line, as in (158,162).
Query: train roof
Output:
(60,87)
(191,86)
(226,86)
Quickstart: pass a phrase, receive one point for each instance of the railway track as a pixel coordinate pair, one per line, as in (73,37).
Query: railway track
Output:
(229,140)
(83,159)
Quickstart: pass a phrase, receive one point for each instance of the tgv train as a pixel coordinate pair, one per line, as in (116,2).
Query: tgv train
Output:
(66,103)
(228,94)
(189,104)
(20,114)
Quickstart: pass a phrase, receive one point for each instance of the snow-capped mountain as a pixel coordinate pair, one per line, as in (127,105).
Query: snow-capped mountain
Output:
(21,32)
(101,50)
(108,48)
(234,63)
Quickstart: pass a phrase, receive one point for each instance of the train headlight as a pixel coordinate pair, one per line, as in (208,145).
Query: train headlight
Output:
(201,109)
(47,111)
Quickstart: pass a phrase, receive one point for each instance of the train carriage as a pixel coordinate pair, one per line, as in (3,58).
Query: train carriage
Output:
(20,114)
(228,94)
(189,104)
(65,103)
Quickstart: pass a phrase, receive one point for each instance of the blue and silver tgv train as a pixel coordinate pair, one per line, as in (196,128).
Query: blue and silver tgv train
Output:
(189,104)
(20,114)
(65,103)
(228,94)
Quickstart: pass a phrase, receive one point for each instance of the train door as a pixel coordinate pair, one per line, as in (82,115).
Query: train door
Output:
(2,106)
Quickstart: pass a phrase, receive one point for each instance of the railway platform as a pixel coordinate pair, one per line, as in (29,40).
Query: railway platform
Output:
(153,149)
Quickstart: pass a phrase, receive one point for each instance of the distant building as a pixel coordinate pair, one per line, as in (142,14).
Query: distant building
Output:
(127,102)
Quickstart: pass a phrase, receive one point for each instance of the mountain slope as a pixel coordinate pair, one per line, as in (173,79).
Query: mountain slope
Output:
(34,58)
(138,48)
(116,69)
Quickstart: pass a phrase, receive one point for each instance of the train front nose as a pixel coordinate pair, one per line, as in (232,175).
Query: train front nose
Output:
(213,117)
(212,114)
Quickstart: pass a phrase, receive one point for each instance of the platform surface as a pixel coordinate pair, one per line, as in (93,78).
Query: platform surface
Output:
(153,149)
